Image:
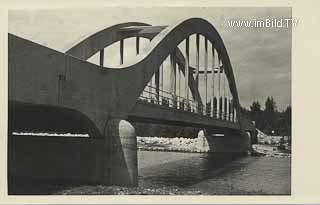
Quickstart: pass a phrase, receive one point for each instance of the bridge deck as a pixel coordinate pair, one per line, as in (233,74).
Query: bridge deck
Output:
(154,113)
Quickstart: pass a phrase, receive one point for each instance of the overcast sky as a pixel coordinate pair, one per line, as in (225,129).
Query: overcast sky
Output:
(261,57)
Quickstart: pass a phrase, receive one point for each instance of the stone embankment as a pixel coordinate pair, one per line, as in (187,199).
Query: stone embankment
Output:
(179,144)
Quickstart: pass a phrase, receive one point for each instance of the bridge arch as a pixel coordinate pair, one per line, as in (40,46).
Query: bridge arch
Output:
(92,44)
(30,118)
(161,46)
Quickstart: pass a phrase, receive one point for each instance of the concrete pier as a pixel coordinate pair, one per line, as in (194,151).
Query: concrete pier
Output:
(111,160)
(227,142)
(122,156)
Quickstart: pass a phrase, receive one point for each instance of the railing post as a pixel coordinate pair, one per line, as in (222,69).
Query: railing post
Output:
(101,57)
(227,108)
(187,73)
(213,71)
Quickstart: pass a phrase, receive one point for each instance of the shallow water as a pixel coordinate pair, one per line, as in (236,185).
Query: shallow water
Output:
(215,174)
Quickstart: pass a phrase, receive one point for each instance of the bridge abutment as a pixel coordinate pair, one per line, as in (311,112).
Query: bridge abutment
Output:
(121,157)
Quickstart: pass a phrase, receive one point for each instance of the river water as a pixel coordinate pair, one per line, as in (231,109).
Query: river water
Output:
(215,174)
(180,173)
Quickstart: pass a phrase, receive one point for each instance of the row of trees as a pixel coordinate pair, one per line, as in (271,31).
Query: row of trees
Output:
(270,120)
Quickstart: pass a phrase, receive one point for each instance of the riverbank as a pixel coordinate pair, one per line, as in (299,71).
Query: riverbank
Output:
(177,144)
(195,145)
(270,151)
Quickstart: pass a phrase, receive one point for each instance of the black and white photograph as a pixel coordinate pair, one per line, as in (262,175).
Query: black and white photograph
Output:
(150,101)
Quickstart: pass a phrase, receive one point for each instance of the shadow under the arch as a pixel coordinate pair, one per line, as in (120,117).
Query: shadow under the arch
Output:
(40,162)
(44,118)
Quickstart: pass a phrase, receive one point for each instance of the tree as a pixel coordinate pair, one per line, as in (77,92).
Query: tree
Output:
(255,113)
(286,116)
(269,119)
(270,116)
(255,107)
(270,105)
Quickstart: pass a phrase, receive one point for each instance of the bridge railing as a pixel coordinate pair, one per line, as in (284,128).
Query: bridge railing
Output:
(164,98)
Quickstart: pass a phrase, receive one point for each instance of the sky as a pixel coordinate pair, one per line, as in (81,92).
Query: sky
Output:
(260,57)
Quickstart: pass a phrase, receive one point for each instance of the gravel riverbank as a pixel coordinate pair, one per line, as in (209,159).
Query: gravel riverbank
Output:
(179,144)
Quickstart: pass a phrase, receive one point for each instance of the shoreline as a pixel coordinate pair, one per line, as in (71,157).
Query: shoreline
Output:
(194,145)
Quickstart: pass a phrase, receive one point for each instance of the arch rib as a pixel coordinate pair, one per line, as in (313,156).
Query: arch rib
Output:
(106,37)
(149,61)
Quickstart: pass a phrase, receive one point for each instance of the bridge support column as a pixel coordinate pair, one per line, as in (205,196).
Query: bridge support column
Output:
(223,142)
(212,86)
(202,142)
(206,75)
(161,84)
(186,74)
(224,97)
(219,89)
(121,51)
(197,67)
(101,57)
(227,108)
(173,78)
(122,166)
(157,84)
(231,110)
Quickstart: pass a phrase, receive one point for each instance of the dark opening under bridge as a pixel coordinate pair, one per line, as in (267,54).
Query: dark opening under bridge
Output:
(54,91)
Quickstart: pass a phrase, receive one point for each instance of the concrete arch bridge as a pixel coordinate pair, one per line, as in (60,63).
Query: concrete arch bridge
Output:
(54,91)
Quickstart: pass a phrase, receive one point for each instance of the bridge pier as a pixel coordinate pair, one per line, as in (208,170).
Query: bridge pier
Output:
(223,142)
(121,157)
(203,144)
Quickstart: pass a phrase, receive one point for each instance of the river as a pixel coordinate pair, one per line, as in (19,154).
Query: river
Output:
(177,173)
(215,174)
